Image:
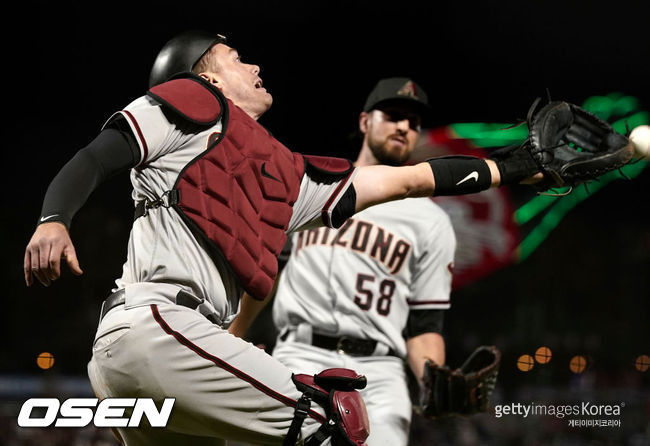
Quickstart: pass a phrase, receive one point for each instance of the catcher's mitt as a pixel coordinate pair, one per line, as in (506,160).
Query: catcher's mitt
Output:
(463,391)
(568,145)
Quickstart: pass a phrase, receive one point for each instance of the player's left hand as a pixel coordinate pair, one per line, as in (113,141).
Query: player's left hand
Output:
(49,244)
(528,171)
(464,391)
(533,179)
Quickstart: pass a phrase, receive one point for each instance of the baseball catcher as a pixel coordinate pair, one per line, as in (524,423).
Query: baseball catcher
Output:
(215,195)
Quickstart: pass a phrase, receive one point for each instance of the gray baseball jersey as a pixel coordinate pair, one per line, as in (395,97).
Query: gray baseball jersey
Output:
(224,387)
(161,248)
(361,281)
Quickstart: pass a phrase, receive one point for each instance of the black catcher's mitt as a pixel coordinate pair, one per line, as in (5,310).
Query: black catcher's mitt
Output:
(463,391)
(568,144)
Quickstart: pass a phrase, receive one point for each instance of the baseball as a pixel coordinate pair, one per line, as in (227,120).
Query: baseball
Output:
(640,136)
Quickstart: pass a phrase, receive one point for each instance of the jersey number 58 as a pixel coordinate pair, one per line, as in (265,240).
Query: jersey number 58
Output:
(366,296)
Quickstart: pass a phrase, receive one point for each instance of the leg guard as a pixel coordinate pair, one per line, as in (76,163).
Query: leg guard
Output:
(336,391)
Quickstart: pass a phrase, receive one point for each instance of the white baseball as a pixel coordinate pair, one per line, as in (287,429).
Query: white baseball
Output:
(640,136)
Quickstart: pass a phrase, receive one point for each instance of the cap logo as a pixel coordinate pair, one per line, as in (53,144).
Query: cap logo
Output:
(408,89)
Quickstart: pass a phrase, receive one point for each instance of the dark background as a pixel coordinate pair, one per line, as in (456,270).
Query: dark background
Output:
(585,290)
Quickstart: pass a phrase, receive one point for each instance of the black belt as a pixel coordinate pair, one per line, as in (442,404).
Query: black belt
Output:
(348,345)
(182,298)
(112,301)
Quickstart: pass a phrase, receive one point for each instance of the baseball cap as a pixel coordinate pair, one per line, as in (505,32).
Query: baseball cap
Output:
(398,90)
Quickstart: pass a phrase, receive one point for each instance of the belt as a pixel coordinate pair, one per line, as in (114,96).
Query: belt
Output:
(112,301)
(349,345)
(182,298)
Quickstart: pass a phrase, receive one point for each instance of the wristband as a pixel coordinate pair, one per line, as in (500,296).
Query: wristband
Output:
(460,175)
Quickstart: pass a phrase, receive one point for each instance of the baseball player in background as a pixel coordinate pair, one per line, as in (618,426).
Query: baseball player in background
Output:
(215,195)
(373,293)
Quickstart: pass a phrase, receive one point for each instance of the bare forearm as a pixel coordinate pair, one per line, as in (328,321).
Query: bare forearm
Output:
(379,184)
(423,347)
(249,310)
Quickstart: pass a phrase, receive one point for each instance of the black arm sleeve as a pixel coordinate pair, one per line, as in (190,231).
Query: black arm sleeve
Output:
(423,321)
(113,151)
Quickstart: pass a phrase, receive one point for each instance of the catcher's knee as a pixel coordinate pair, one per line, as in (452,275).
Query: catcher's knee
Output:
(335,390)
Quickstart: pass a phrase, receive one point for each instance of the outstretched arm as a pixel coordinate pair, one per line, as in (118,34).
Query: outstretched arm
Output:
(110,153)
(438,176)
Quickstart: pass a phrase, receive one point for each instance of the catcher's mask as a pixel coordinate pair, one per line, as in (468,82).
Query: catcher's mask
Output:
(181,53)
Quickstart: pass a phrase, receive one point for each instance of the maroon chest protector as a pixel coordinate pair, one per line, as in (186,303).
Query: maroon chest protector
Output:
(237,196)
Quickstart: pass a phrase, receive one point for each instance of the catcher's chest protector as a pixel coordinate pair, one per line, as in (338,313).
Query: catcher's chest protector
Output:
(238,194)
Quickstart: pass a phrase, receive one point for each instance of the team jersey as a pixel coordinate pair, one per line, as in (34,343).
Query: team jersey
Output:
(363,279)
(163,256)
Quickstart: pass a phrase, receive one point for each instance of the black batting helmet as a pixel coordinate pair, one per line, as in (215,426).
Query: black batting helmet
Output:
(181,53)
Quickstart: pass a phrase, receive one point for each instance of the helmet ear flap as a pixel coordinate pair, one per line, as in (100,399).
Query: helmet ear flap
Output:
(181,53)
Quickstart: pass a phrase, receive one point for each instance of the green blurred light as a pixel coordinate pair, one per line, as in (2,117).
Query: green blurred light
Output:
(611,104)
(484,134)
(625,105)
(534,206)
(601,105)
(563,205)
(635,120)
(532,241)
(487,134)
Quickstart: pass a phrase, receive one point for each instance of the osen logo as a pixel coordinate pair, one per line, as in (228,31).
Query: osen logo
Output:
(79,412)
